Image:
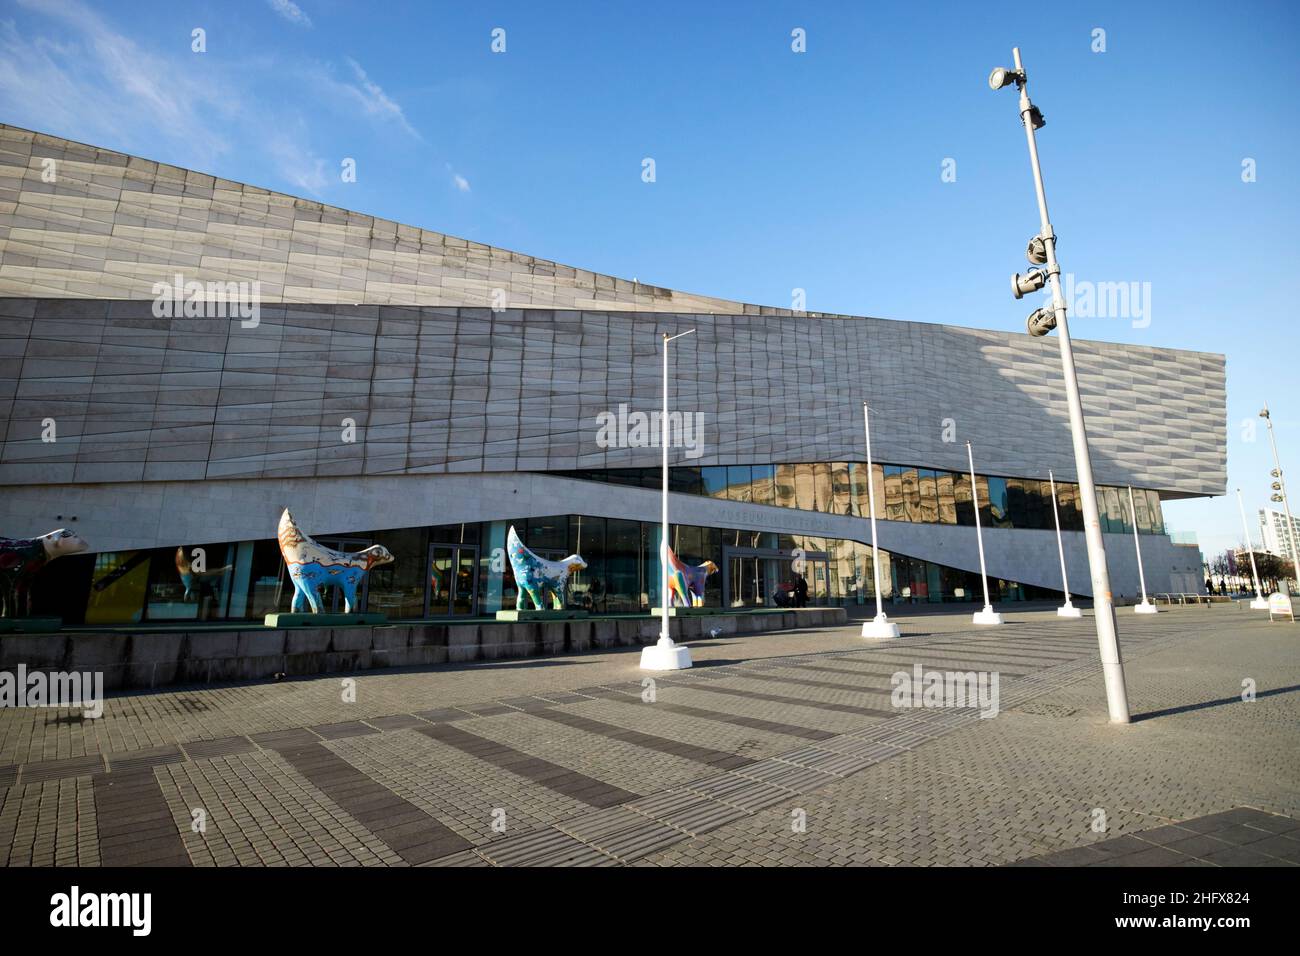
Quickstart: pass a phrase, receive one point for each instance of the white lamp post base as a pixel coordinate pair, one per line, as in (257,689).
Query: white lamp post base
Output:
(1068,610)
(1259,604)
(879,626)
(987,616)
(665,657)
(1146,607)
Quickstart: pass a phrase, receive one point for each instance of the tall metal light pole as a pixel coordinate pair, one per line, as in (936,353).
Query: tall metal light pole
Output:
(987,615)
(1281,488)
(1259,604)
(1043,249)
(1146,607)
(882,626)
(1067,609)
(665,655)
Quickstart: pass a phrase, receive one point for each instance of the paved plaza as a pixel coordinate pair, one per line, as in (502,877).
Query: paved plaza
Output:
(781,749)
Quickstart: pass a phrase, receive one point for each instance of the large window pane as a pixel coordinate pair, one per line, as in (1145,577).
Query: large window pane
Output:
(929,495)
(894,509)
(911,494)
(785,480)
(1157,514)
(397,589)
(687,481)
(587,587)
(763,490)
(715,481)
(841,490)
(962,497)
(623,566)
(998,510)
(739,483)
(805,491)
(822,486)
(1116,512)
(947,497)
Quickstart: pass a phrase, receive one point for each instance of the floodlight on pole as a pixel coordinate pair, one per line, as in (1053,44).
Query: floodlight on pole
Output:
(665,655)
(881,625)
(1067,609)
(1112,662)
(987,616)
(1146,607)
(1259,604)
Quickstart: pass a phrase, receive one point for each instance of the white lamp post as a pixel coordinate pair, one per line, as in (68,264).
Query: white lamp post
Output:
(1146,607)
(665,655)
(988,615)
(1067,609)
(881,626)
(1042,250)
(1259,604)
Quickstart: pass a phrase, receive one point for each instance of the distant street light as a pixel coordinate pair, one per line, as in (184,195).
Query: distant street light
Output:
(1102,601)
(1146,607)
(1279,486)
(1067,609)
(988,615)
(665,655)
(1259,604)
(881,626)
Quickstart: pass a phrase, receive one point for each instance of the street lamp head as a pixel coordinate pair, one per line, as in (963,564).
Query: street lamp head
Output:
(1274,497)
(1275,473)
(1036,251)
(1031,281)
(1264,412)
(1001,76)
(1040,322)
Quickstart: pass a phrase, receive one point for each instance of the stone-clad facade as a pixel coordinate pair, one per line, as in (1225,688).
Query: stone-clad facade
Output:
(384,329)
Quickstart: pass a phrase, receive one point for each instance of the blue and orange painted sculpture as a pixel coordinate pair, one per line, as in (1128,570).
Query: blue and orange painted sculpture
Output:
(313,567)
(539,578)
(686,583)
(21,558)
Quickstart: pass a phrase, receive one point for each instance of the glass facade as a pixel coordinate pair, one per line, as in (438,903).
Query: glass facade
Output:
(451,571)
(903,493)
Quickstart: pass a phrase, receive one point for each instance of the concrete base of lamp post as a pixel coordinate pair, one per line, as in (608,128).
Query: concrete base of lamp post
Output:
(665,657)
(1069,610)
(1259,604)
(986,617)
(879,627)
(1146,607)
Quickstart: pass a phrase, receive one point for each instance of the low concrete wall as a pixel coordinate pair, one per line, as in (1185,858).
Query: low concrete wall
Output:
(159,658)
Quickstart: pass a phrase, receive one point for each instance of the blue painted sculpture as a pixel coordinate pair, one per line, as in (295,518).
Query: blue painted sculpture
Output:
(685,583)
(313,567)
(538,577)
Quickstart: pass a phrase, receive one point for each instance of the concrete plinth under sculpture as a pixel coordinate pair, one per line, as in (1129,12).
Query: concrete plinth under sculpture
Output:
(534,615)
(325,620)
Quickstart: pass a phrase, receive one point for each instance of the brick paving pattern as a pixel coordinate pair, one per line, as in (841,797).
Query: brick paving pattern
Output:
(781,749)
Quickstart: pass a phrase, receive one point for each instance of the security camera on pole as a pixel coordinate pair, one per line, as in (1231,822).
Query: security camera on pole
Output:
(1067,609)
(988,616)
(881,626)
(1042,251)
(1146,607)
(1260,603)
(665,655)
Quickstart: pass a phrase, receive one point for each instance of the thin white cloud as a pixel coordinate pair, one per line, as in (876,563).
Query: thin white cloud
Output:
(460,182)
(290,11)
(373,100)
(299,165)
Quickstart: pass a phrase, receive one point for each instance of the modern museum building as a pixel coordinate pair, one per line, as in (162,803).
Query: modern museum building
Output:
(182,357)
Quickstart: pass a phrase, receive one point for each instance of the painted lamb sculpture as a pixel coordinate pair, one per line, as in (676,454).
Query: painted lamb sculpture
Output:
(313,567)
(538,577)
(685,583)
(21,558)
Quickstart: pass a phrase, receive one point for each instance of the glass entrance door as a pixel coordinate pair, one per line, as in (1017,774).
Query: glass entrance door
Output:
(453,580)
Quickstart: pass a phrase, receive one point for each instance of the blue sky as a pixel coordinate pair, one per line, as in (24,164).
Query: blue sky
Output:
(775,170)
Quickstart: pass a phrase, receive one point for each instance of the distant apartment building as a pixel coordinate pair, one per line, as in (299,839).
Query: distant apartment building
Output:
(1277,539)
